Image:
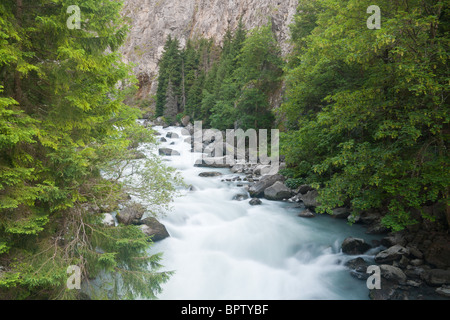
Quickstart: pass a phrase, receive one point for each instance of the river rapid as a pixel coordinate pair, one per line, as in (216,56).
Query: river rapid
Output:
(223,249)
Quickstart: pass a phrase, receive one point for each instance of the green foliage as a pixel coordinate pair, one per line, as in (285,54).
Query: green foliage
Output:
(367,110)
(225,92)
(67,146)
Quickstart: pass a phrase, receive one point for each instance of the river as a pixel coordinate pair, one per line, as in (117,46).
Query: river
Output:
(223,249)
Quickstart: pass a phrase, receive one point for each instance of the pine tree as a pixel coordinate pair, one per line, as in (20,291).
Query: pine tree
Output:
(63,126)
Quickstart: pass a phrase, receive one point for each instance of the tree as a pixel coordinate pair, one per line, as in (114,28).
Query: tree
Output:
(170,70)
(63,128)
(367,108)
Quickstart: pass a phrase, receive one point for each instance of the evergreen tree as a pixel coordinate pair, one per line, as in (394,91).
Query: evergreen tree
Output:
(63,126)
(170,70)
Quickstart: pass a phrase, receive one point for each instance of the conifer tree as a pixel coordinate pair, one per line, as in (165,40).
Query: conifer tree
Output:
(64,150)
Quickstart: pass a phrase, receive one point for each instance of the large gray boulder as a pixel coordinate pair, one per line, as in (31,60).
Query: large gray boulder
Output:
(278,191)
(392,254)
(392,273)
(307,214)
(131,214)
(185,121)
(310,199)
(168,152)
(340,213)
(172,135)
(354,246)
(154,229)
(257,190)
(436,277)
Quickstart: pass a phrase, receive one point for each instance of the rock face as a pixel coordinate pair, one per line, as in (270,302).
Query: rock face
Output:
(151,21)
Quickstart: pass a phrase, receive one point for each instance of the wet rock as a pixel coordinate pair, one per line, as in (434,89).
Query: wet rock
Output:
(172,135)
(240,197)
(416,262)
(255,202)
(131,214)
(393,274)
(262,170)
(438,253)
(310,199)
(154,229)
(355,263)
(210,174)
(392,254)
(163,139)
(444,291)
(354,246)
(257,190)
(340,213)
(168,152)
(306,214)
(436,277)
(185,121)
(304,189)
(278,191)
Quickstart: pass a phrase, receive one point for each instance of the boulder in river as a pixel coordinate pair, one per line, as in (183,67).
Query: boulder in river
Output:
(391,254)
(392,273)
(255,202)
(131,214)
(340,213)
(240,197)
(354,246)
(257,190)
(209,174)
(278,191)
(154,229)
(310,199)
(307,214)
(172,135)
(168,152)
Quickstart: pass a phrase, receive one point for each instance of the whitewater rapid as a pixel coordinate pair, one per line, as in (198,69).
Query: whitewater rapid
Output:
(223,249)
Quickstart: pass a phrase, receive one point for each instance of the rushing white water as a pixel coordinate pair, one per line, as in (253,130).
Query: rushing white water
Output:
(225,249)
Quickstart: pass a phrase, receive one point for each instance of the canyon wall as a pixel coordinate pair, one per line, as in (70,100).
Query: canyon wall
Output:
(151,21)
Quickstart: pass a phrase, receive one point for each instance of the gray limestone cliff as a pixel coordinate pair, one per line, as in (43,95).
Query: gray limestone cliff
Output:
(151,21)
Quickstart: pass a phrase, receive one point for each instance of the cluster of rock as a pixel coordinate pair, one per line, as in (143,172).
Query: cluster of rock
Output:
(412,265)
(133,214)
